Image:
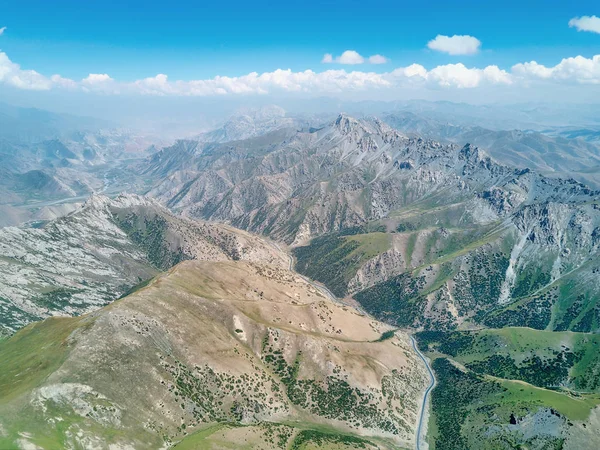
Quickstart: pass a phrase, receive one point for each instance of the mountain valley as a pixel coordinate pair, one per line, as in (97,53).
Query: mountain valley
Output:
(171,317)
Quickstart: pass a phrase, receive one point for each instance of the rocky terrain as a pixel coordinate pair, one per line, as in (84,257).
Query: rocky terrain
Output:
(462,228)
(430,236)
(554,153)
(493,265)
(202,351)
(294,185)
(90,257)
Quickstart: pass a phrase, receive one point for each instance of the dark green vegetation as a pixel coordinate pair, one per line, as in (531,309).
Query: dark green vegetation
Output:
(57,299)
(474,411)
(150,234)
(451,400)
(542,358)
(334,259)
(561,372)
(395,301)
(533,312)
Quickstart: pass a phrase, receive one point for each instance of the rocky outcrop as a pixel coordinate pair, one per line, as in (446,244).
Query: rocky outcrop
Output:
(80,262)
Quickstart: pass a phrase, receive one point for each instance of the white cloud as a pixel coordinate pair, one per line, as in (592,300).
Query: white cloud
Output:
(96,78)
(378,59)
(414,70)
(586,23)
(454,76)
(578,70)
(2,30)
(100,82)
(64,83)
(570,71)
(352,57)
(12,74)
(268,82)
(455,45)
(458,75)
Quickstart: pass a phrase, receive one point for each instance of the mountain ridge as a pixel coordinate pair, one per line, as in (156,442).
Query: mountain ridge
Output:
(263,327)
(95,254)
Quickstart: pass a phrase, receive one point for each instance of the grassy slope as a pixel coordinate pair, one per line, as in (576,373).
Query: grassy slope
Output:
(272,436)
(27,359)
(485,400)
(334,259)
(573,356)
(472,411)
(32,354)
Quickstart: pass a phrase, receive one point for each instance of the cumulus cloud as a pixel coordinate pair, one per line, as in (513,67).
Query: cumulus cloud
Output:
(96,78)
(579,70)
(455,45)
(352,57)
(327,58)
(268,82)
(458,75)
(377,59)
(454,76)
(12,74)
(64,83)
(100,82)
(2,30)
(570,71)
(586,23)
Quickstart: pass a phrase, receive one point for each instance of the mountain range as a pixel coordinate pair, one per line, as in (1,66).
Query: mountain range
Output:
(188,327)
(554,153)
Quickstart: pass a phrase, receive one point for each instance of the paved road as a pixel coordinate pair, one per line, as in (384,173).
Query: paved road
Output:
(427,391)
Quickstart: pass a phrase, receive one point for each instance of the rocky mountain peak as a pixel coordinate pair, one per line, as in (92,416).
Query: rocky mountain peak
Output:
(346,124)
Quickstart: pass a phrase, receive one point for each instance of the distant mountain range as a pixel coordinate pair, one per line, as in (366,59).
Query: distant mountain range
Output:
(411,210)
(250,123)
(548,152)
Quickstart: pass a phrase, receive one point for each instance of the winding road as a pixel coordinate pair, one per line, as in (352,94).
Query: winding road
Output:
(324,289)
(329,294)
(427,391)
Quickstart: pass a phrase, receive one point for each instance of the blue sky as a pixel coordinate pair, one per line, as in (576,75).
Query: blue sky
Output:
(194,48)
(191,39)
